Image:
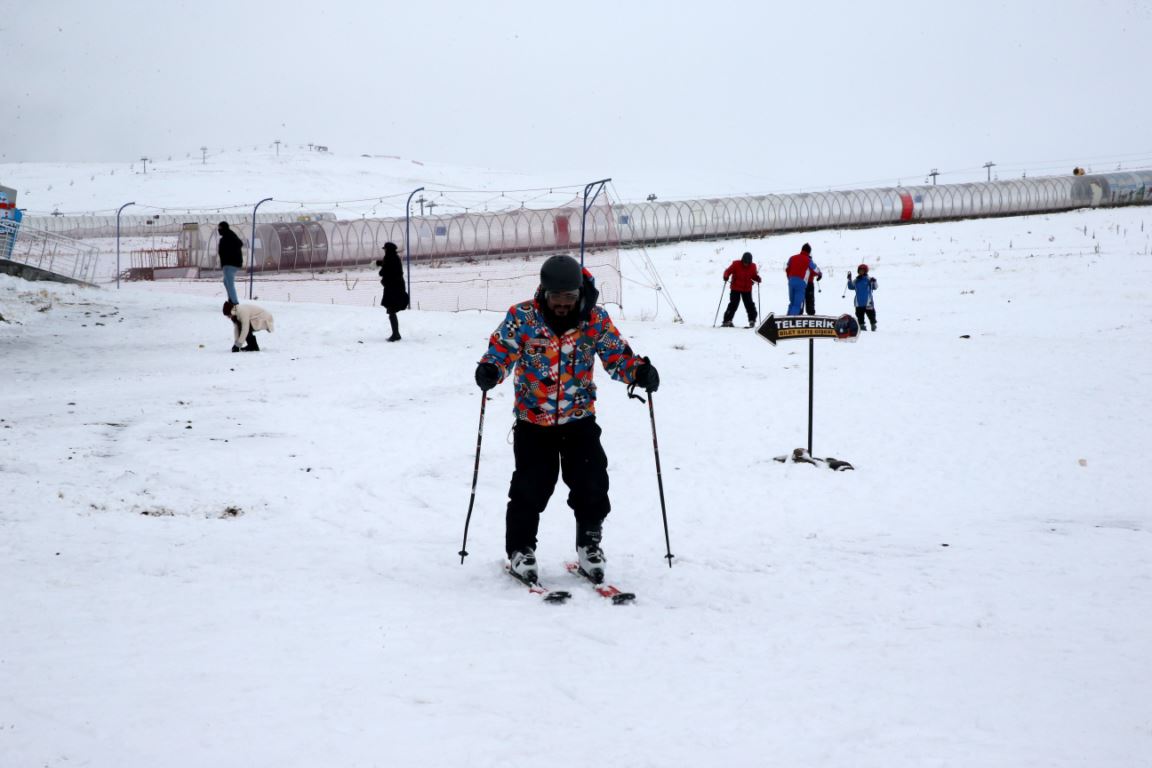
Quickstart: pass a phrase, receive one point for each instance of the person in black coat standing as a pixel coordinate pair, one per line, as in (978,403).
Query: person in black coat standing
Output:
(231,258)
(395,297)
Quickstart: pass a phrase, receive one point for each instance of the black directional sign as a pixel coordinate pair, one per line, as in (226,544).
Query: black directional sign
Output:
(843,328)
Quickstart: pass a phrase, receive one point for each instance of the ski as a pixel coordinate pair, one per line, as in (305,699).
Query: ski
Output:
(541,591)
(607,591)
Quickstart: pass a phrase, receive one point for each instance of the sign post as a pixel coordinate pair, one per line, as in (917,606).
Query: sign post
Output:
(811,327)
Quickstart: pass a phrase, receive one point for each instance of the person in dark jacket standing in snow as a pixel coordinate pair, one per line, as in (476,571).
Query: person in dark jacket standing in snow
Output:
(552,342)
(810,290)
(864,286)
(231,258)
(800,271)
(743,273)
(395,297)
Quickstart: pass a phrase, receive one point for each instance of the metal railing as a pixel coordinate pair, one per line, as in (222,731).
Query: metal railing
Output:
(50,252)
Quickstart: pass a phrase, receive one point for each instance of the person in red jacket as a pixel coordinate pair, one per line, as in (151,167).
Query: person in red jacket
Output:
(743,273)
(800,271)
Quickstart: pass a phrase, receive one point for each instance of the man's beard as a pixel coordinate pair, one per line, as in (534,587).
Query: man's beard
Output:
(556,322)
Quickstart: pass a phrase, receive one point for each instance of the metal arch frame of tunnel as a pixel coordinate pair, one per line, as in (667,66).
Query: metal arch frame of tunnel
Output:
(529,232)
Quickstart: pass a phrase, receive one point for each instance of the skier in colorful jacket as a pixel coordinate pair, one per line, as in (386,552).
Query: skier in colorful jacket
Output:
(864,286)
(800,271)
(550,343)
(743,273)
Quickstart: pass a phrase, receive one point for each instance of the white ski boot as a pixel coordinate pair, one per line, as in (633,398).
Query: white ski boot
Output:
(591,559)
(522,565)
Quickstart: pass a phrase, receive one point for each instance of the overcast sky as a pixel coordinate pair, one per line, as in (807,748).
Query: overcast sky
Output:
(739,95)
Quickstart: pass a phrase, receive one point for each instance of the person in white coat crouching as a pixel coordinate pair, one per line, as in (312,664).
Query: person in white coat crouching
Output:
(246,320)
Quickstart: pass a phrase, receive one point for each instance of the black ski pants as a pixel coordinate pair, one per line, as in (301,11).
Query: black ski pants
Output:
(861,311)
(543,453)
(252,346)
(810,298)
(734,300)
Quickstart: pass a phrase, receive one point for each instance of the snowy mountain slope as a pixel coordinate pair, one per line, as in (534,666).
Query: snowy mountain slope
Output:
(237,179)
(247,560)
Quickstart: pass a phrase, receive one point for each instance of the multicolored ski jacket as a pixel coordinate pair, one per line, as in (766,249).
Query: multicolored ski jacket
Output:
(554,373)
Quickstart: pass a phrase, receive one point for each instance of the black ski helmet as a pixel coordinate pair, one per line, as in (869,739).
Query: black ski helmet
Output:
(561,273)
(746,258)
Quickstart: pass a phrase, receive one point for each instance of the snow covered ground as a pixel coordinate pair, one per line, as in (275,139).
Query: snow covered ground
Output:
(250,560)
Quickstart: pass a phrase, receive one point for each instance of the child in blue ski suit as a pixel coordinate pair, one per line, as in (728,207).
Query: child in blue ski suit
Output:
(864,286)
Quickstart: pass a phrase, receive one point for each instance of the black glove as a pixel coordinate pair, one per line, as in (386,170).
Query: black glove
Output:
(819,276)
(647,377)
(487,376)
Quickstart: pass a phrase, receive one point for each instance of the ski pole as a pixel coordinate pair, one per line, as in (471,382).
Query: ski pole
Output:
(847,285)
(758,309)
(475,474)
(722,289)
(659,478)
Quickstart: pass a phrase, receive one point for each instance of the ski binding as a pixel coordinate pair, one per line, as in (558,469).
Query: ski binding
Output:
(541,591)
(607,591)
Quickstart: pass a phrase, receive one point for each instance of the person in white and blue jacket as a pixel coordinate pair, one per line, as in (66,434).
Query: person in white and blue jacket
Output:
(864,286)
